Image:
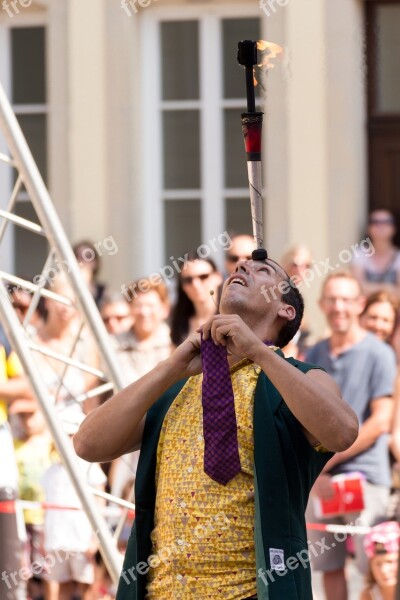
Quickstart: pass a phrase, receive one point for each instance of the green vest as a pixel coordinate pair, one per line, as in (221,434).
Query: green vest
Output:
(286,467)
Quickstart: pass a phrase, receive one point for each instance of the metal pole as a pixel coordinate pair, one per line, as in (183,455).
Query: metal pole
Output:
(54,232)
(256,201)
(252,129)
(20,342)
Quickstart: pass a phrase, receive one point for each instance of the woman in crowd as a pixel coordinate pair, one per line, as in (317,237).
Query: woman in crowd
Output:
(89,262)
(380,270)
(380,315)
(58,332)
(382,548)
(138,350)
(198,285)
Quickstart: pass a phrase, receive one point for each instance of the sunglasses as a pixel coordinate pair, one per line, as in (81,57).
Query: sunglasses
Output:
(189,280)
(381,222)
(115,318)
(233,258)
(300,265)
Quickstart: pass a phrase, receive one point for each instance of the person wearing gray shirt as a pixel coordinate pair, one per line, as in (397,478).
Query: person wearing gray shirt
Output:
(364,369)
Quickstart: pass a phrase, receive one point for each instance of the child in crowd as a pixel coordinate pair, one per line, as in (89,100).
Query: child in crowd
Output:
(34,456)
(68,536)
(382,548)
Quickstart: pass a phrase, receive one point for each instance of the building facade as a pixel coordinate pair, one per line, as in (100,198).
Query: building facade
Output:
(132,110)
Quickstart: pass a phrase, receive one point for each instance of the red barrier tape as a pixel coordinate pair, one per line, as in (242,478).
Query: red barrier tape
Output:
(7,507)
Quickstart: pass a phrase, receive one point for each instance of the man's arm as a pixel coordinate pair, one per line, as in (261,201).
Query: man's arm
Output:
(116,427)
(395,437)
(15,388)
(314,399)
(378,422)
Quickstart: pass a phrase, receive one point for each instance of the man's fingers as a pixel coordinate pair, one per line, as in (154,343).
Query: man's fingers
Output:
(221,332)
(211,326)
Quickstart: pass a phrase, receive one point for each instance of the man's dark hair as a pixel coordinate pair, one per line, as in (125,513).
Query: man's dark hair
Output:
(290,328)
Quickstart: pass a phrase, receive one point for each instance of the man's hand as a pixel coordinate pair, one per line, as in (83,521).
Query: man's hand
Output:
(187,359)
(233,333)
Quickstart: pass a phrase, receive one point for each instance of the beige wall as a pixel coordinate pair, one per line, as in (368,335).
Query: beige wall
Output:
(315,169)
(315,172)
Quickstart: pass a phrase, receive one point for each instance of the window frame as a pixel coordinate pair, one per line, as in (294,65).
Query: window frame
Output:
(371,57)
(24,20)
(212,193)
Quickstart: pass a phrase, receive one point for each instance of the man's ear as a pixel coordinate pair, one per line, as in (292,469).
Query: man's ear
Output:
(287,312)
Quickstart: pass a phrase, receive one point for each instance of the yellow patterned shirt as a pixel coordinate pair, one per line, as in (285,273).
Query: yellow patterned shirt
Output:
(203,538)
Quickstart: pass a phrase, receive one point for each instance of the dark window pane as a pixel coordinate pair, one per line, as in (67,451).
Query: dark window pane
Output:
(180,60)
(235,154)
(233,31)
(182,227)
(181,149)
(28,65)
(238,216)
(30,249)
(34,129)
(388,33)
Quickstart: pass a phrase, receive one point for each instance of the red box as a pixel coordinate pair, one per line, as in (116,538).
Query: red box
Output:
(348,496)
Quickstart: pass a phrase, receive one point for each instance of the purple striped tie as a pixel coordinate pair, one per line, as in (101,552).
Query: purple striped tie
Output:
(221,448)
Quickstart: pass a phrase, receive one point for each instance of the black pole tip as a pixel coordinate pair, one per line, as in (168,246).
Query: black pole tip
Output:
(247,53)
(259,254)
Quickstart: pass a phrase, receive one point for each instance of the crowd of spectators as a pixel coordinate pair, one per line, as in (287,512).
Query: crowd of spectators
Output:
(361,351)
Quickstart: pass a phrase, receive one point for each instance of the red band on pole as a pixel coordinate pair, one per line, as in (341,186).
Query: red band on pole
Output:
(252,132)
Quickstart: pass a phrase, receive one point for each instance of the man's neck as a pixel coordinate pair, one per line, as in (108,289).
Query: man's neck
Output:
(144,336)
(339,342)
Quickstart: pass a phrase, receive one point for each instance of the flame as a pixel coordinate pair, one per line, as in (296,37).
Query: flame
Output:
(266,53)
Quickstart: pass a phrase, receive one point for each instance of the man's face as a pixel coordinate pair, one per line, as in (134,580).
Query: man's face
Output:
(241,249)
(198,278)
(148,312)
(341,303)
(255,285)
(381,225)
(380,319)
(116,317)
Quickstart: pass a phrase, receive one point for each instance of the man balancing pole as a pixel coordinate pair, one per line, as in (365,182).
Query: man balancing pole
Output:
(232,438)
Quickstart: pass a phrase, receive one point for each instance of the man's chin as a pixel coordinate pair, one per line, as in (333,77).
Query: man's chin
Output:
(231,304)
(340,329)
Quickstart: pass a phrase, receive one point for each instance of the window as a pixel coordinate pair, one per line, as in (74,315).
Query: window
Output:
(383,59)
(388,58)
(198,92)
(28,96)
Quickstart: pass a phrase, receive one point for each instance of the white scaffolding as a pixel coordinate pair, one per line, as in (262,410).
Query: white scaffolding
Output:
(27,174)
